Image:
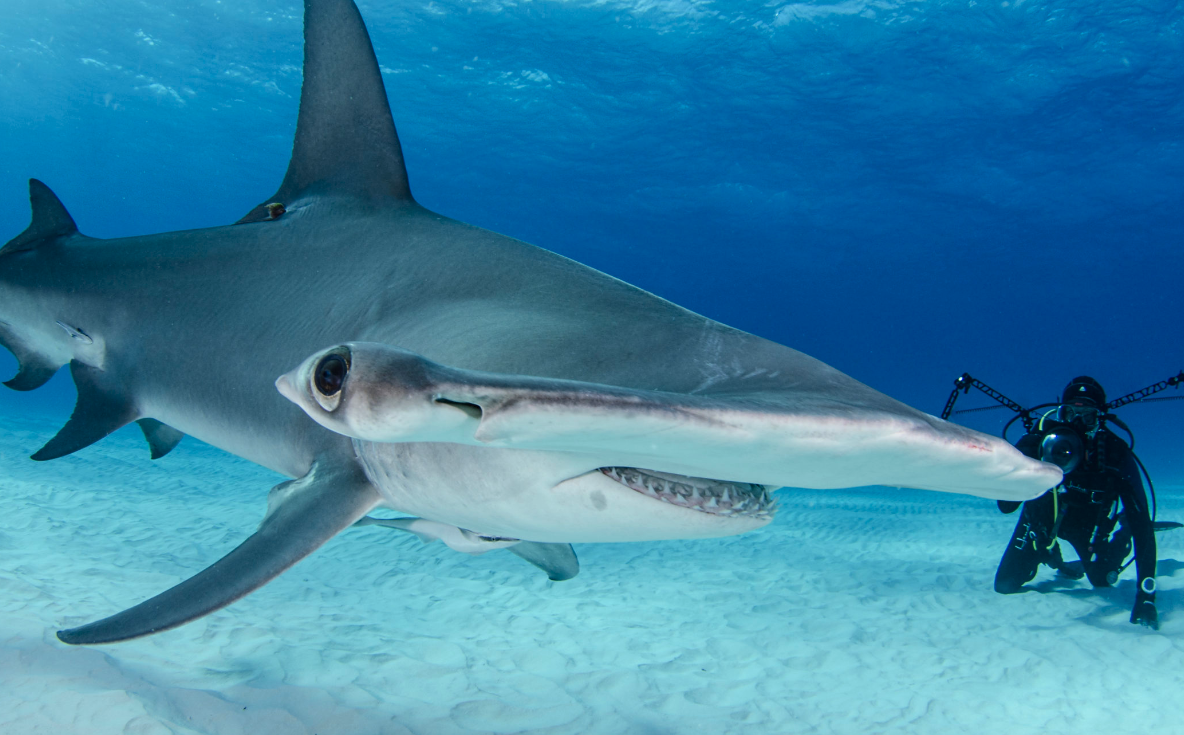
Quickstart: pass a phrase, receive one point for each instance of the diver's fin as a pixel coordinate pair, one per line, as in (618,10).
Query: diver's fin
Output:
(1165,525)
(302,515)
(346,144)
(98,412)
(161,437)
(50,222)
(557,560)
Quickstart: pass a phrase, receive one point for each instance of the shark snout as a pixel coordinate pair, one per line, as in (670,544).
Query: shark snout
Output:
(286,385)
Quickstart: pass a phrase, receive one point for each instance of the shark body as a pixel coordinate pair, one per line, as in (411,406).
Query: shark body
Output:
(186,332)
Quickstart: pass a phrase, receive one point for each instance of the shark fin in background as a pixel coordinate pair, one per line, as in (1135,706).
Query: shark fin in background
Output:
(557,560)
(100,410)
(346,144)
(162,438)
(302,514)
(50,222)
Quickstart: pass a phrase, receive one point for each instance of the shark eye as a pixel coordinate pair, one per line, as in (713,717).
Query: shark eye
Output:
(328,377)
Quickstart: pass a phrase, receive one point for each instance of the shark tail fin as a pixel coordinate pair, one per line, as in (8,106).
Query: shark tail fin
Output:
(346,144)
(51,222)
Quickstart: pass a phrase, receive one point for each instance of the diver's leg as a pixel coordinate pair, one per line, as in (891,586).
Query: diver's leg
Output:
(1079,528)
(1075,529)
(1027,547)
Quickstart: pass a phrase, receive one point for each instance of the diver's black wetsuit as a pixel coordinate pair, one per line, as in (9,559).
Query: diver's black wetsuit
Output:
(1088,501)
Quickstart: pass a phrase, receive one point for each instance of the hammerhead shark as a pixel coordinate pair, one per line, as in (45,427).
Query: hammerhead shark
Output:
(499,394)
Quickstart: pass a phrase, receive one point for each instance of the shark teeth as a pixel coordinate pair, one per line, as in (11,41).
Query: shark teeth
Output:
(716,497)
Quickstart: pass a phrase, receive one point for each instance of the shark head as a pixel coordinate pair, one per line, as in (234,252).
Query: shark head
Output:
(710,454)
(567,490)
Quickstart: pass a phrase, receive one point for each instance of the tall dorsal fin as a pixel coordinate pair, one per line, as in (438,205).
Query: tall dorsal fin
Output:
(346,144)
(50,222)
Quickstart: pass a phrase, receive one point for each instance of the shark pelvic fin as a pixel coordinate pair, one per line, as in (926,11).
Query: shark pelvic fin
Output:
(100,410)
(302,515)
(161,437)
(557,560)
(346,144)
(51,221)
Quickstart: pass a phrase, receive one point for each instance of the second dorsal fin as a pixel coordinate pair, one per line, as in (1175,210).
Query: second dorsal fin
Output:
(346,144)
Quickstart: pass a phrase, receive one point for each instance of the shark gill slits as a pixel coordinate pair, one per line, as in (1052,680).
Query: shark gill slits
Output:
(328,377)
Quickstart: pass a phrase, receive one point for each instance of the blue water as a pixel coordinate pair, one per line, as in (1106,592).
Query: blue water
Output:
(904,190)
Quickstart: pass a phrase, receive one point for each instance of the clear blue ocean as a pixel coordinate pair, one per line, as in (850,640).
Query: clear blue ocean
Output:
(903,190)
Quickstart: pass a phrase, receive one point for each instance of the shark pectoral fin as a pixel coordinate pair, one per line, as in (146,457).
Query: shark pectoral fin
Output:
(100,410)
(162,438)
(302,515)
(557,560)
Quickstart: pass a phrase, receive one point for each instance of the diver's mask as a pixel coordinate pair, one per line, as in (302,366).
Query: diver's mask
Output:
(1082,415)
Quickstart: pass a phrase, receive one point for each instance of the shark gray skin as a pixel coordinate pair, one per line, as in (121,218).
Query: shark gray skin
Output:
(186,332)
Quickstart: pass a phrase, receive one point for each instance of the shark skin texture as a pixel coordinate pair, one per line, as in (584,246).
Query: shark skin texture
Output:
(497,394)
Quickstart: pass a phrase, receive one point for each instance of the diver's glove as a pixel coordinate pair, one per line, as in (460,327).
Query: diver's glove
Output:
(1144,612)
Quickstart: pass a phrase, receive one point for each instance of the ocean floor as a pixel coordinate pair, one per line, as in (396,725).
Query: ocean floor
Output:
(858,611)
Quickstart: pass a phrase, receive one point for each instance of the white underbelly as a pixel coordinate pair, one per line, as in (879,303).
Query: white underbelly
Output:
(535,496)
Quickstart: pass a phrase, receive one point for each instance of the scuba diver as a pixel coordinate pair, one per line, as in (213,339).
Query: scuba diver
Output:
(1100,507)
(1101,490)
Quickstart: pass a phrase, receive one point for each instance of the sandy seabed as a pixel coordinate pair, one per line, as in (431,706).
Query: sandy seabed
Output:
(856,611)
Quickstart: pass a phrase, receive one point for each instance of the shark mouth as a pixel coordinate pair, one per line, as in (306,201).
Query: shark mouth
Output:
(716,497)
